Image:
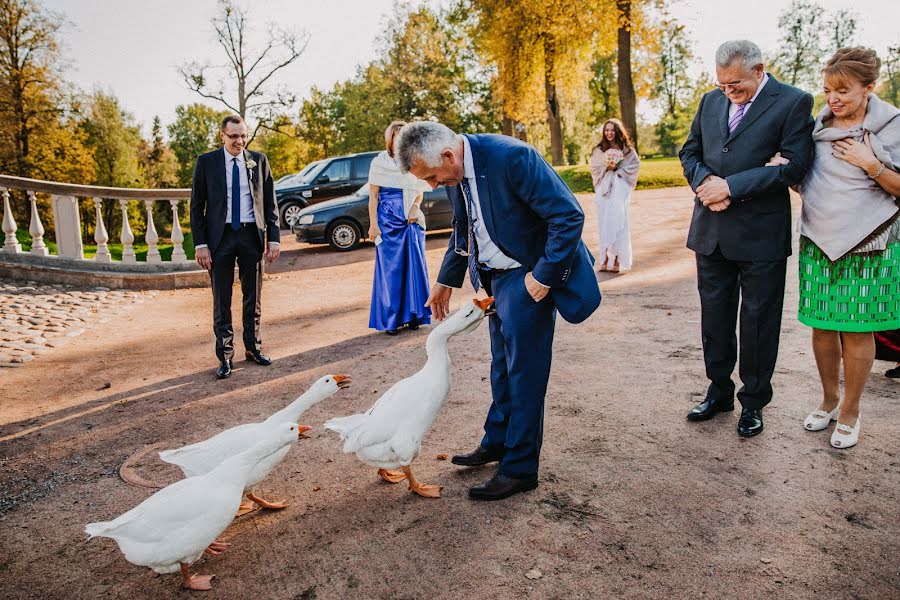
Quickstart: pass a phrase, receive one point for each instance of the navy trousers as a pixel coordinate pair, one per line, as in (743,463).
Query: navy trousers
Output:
(521,350)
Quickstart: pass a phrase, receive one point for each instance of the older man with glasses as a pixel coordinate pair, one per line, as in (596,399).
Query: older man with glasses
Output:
(741,226)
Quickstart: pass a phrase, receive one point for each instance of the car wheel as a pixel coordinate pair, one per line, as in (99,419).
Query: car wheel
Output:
(290,212)
(344,235)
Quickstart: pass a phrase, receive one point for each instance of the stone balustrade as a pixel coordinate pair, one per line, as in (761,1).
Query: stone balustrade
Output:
(68,223)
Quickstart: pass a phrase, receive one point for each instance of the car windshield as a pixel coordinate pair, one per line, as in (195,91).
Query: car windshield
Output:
(310,172)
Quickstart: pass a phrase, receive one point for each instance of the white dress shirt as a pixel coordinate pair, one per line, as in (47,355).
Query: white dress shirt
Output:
(489,254)
(733,107)
(246,197)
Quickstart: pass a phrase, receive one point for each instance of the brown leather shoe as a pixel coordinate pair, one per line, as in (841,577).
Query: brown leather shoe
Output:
(480,456)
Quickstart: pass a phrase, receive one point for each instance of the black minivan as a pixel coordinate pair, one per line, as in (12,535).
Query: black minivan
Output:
(329,178)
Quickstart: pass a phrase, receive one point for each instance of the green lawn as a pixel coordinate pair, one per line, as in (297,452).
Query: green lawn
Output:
(654,173)
(140,248)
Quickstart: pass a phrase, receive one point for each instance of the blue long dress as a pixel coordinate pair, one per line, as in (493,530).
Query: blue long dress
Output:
(400,288)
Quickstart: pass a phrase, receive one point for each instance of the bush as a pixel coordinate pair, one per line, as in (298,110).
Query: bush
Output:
(654,173)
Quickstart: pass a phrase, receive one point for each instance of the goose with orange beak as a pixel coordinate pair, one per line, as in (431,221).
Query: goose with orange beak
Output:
(202,457)
(389,435)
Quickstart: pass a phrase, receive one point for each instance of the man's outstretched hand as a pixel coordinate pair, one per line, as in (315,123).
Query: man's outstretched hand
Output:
(439,301)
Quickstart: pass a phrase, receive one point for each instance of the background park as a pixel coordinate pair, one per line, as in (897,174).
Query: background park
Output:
(121,370)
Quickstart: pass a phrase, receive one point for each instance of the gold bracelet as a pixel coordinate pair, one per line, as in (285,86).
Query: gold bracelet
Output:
(878,174)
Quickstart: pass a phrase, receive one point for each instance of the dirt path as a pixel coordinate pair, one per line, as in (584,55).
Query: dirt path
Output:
(634,502)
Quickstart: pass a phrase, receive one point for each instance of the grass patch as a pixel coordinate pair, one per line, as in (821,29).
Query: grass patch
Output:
(654,173)
(115,250)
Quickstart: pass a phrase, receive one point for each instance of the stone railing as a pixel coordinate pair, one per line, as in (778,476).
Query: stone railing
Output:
(67,219)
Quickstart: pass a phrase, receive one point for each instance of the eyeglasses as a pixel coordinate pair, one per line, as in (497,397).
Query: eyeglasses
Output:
(235,136)
(731,84)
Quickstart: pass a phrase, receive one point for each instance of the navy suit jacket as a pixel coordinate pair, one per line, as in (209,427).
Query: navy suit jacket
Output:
(532,216)
(757,225)
(209,199)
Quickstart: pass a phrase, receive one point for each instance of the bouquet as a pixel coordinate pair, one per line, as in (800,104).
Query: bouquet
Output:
(613,158)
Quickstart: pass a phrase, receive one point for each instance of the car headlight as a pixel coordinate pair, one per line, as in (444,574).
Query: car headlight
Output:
(305,220)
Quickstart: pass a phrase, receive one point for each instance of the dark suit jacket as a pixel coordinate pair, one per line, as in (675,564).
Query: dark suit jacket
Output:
(209,198)
(757,225)
(532,216)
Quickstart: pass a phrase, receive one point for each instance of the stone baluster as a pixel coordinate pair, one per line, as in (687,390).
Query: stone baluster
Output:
(100,235)
(10,243)
(178,255)
(152,237)
(127,236)
(36,228)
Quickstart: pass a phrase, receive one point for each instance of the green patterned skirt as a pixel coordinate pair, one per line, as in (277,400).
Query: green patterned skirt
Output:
(860,292)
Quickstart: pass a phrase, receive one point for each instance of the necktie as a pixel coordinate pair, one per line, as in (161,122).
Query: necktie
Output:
(736,119)
(235,195)
(473,246)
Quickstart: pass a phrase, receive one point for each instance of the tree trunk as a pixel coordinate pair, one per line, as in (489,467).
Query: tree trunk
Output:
(507,126)
(555,123)
(627,102)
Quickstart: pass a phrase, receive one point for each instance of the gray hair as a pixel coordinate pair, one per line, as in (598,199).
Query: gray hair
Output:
(423,141)
(747,51)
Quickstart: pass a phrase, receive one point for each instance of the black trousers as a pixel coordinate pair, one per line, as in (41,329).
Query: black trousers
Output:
(242,245)
(760,287)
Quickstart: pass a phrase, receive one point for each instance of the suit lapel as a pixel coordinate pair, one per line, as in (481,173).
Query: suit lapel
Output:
(220,180)
(479,158)
(723,108)
(762,103)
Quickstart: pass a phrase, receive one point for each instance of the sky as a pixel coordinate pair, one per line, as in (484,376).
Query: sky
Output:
(133,47)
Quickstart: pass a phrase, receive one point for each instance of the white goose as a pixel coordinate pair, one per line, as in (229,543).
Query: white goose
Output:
(389,435)
(171,529)
(202,457)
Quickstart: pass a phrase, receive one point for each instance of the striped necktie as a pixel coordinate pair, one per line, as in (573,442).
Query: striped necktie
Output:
(473,245)
(736,119)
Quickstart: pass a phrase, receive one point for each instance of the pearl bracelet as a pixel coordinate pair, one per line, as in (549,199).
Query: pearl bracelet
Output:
(878,174)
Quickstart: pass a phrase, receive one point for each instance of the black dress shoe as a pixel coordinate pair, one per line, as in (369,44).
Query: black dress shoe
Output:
(750,422)
(708,409)
(258,357)
(893,373)
(481,456)
(500,486)
(224,370)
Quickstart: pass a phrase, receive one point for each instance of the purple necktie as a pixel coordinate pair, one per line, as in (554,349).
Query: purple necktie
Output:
(736,119)
(235,195)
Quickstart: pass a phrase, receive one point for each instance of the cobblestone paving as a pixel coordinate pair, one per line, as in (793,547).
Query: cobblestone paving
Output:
(36,318)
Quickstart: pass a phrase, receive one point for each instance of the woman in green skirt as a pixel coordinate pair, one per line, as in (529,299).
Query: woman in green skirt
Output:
(850,236)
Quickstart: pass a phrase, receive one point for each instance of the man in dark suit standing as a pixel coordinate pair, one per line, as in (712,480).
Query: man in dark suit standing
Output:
(233,216)
(741,226)
(517,233)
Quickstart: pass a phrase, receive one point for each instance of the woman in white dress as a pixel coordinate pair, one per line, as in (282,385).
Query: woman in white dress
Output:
(614,170)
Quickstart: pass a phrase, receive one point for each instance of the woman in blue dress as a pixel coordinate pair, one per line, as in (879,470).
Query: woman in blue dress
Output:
(397,226)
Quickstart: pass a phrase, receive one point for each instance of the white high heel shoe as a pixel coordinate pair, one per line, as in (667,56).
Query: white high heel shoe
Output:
(819,419)
(845,436)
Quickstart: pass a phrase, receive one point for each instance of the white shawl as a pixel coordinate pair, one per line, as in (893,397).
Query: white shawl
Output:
(602,177)
(841,205)
(384,172)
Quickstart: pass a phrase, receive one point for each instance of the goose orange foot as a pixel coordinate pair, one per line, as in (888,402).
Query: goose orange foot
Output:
(217,548)
(422,489)
(246,507)
(266,503)
(202,583)
(392,476)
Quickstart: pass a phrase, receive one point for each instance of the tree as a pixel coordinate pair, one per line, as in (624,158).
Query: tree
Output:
(889,90)
(799,56)
(627,99)
(114,142)
(251,72)
(842,25)
(159,162)
(541,50)
(195,131)
(672,85)
(29,82)
(603,89)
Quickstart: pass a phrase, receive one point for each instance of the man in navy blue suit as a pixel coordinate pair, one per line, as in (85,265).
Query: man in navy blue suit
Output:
(517,233)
